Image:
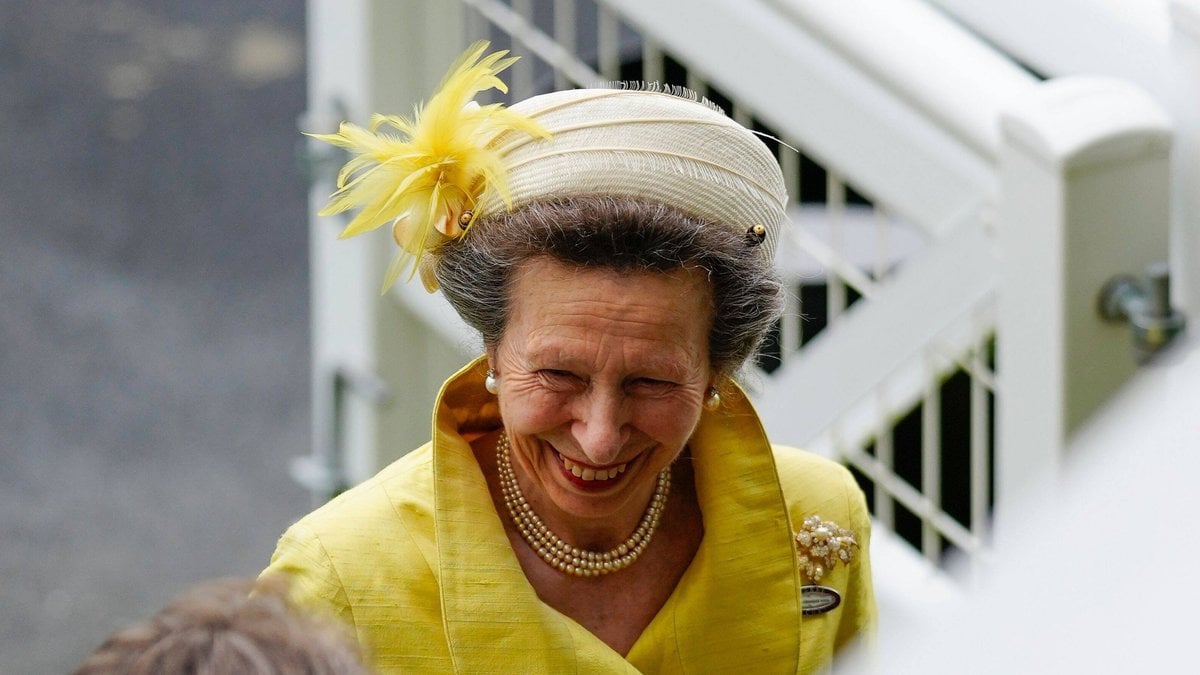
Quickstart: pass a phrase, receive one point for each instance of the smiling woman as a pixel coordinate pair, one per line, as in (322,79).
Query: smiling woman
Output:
(598,493)
(601,381)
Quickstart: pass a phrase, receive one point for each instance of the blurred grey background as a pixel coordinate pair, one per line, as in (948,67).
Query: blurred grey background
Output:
(153,308)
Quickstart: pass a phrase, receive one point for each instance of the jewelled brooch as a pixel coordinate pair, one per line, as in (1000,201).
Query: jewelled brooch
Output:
(820,544)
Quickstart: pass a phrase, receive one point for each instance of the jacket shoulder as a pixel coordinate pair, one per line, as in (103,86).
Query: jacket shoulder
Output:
(815,485)
(381,528)
(405,485)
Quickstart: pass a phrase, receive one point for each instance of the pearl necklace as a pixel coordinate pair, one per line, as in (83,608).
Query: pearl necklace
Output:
(558,553)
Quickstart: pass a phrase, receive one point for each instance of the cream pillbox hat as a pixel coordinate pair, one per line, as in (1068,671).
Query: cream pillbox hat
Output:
(649,145)
(455,162)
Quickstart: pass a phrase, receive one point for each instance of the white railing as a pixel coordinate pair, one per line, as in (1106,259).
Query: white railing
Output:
(1132,462)
(1154,44)
(921,151)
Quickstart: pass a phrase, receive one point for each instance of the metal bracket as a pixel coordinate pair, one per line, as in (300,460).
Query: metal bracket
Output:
(323,472)
(1145,303)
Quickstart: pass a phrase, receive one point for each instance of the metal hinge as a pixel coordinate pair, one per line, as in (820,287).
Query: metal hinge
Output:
(1145,303)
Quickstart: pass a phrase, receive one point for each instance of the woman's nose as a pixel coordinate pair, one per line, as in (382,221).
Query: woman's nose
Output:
(601,428)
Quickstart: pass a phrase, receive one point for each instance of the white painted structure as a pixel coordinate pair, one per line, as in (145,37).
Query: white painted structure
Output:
(1000,205)
(1154,44)
(1095,571)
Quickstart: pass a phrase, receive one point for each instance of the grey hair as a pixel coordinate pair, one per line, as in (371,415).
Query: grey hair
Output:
(219,627)
(625,234)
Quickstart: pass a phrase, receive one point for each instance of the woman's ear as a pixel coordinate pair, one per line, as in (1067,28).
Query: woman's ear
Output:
(490,354)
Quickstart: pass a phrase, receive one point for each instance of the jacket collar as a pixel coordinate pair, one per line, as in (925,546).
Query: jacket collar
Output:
(745,561)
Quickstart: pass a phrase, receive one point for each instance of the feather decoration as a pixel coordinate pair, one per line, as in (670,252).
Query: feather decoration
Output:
(428,179)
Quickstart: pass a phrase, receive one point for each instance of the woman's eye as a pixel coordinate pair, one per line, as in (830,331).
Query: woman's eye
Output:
(651,385)
(558,377)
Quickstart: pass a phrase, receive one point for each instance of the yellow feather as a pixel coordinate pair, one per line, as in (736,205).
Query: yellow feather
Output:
(432,167)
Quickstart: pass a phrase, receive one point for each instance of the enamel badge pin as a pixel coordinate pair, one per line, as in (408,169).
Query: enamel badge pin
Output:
(818,599)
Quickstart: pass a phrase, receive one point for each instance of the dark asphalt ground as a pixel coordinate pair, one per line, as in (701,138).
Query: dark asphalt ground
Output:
(153,308)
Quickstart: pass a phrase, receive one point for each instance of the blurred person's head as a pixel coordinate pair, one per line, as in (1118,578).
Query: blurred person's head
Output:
(219,627)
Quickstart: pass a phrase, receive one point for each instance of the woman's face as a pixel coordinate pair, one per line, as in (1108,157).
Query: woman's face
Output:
(602,378)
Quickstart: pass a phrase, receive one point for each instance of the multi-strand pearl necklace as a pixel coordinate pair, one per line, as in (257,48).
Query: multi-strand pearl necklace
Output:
(558,553)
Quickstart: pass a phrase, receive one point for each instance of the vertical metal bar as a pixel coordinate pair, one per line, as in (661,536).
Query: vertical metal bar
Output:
(885,507)
(837,441)
(883,251)
(325,469)
(652,61)
(521,86)
(608,42)
(789,164)
(835,206)
(790,329)
(696,83)
(789,323)
(931,464)
(564,34)
(790,333)
(742,115)
(980,439)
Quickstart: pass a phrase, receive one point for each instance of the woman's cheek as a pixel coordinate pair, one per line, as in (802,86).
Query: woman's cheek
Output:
(535,410)
(670,418)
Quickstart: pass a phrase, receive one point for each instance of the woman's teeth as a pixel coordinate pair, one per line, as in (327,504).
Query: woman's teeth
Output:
(588,473)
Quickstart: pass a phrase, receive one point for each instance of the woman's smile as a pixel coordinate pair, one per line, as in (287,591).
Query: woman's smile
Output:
(589,474)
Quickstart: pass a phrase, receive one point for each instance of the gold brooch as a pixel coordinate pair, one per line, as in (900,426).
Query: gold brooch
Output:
(820,544)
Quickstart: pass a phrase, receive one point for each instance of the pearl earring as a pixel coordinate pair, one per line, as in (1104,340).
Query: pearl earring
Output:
(713,400)
(490,383)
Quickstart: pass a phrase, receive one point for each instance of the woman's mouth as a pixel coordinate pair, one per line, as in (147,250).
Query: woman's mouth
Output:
(589,476)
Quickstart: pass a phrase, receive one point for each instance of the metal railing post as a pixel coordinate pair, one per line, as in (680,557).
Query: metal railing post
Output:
(366,56)
(1184,51)
(1083,196)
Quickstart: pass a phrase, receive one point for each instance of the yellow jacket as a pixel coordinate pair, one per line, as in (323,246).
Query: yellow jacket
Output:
(416,559)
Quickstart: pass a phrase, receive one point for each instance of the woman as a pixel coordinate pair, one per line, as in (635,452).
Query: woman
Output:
(598,494)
